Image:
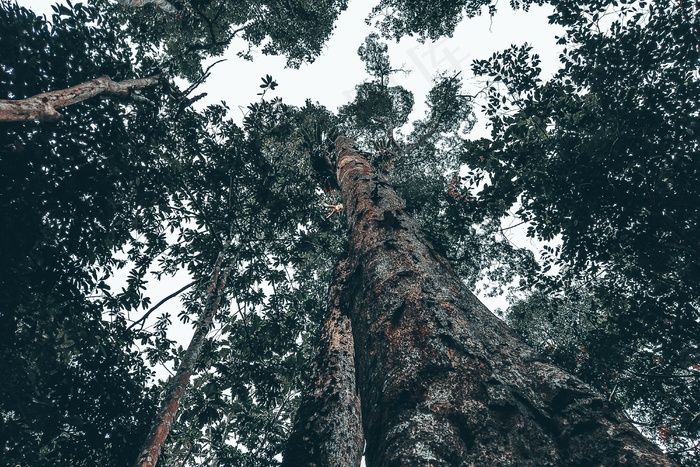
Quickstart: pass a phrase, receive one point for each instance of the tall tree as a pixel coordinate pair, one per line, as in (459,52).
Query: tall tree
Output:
(272,128)
(442,380)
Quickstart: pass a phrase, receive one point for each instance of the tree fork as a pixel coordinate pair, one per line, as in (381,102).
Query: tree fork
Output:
(42,107)
(151,448)
(328,429)
(443,381)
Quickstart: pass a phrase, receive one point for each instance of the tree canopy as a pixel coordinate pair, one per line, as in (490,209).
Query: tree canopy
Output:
(603,158)
(598,161)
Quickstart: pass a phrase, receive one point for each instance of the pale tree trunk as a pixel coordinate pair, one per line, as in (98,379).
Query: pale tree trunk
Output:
(42,107)
(443,381)
(328,429)
(148,456)
(162,4)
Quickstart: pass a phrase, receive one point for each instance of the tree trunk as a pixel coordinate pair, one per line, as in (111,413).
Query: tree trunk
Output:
(42,107)
(444,382)
(328,429)
(151,448)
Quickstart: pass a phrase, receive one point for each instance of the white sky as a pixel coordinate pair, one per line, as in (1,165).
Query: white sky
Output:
(331,80)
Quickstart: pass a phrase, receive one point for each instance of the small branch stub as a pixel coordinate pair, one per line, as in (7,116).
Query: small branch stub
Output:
(332,209)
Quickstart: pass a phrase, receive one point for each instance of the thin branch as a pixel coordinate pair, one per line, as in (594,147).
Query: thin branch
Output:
(155,307)
(663,376)
(202,78)
(513,226)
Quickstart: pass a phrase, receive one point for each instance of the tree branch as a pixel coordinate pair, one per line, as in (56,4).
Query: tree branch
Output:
(155,307)
(42,107)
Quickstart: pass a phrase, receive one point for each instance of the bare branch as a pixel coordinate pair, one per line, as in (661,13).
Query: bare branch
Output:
(42,107)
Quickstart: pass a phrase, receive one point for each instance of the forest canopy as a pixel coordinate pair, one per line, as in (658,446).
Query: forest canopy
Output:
(599,163)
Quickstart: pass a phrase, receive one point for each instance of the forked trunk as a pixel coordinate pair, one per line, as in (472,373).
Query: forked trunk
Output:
(328,428)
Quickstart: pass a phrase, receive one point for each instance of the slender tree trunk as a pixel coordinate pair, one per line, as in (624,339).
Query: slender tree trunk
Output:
(151,448)
(444,382)
(42,107)
(328,429)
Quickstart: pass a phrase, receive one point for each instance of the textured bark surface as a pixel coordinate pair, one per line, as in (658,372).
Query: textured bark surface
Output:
(42,107)
(328,430)
(444,382)
(150,451)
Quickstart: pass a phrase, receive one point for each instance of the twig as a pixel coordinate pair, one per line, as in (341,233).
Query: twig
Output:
(155,307)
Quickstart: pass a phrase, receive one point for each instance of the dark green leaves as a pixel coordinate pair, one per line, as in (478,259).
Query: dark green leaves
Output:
(602,157)
(206,28)
(268,83)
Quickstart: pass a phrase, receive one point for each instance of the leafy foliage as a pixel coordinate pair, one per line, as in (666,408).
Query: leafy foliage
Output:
(603,158)
(431,19)
(600,157)
(250,185)
(205,28)
(424,166)
(71,192)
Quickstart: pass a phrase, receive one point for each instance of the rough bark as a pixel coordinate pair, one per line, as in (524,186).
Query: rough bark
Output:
(443,381)
(42,107)
(328,428)
(151,448)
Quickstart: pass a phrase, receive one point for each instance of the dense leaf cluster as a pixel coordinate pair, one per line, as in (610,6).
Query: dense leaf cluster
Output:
(432,19)
(603,159)
(206,28)
(71,192)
